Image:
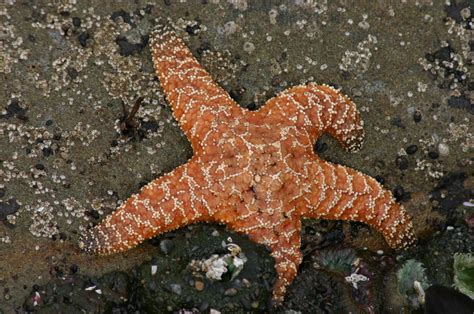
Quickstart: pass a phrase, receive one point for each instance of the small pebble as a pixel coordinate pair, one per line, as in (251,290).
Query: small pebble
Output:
(401,162)
(76,21)
(398,192)
(449,228)
(203,306)
(74,268)
(252,106)
(82,38)
(417,116)
(47,152)
(72,72)
(176,288)
(246,283)
(230,292)
(379,179)
(433,155)
(411,149)
(166,246)
(8,208)
(320,147)
(94,214)
(276,80)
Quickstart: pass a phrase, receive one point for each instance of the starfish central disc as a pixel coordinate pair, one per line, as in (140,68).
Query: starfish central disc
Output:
(255,172)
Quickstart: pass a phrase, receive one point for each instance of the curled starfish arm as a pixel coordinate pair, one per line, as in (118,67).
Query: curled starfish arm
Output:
(281,233)
(167,203)
(288,257)
(342,193)
(320,109)
(197,101)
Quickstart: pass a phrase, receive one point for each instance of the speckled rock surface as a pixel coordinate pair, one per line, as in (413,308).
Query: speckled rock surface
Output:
(68,70)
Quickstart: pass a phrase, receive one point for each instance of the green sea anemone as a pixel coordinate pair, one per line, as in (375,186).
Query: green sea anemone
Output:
(340,261)
(464,273)
(412,271)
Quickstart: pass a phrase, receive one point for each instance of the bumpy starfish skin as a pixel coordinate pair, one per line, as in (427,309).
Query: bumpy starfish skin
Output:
(255,172)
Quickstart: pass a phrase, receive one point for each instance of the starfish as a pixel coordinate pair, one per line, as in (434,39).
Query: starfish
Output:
(254,171)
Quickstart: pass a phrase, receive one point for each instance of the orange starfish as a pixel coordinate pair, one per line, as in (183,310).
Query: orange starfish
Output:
(255,172)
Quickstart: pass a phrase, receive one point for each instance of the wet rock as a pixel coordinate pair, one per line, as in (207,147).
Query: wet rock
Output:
(433,155)
(453,10)
(252,106)
(14,110)
(166,246)
(237,93)
(8,208)
(82,38)
(440,300)
(397,121)
(47,151)
(72,72)
(127,48)
(176,288)
(399,193)
(94,214)
(76,21)
(320,147)
(451,193)
(246,303)
(379,179)
(74,268)
(417,116)
(230,292)
(276,80)
(401,162)
(203,306)
(149,126)
(411,149)
(442,54)
(124,15)
(461,102)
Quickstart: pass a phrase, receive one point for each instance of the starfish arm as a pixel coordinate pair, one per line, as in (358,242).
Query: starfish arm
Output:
(197,101)
(167,203)
(320,109)
(342,193)
(281,233)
